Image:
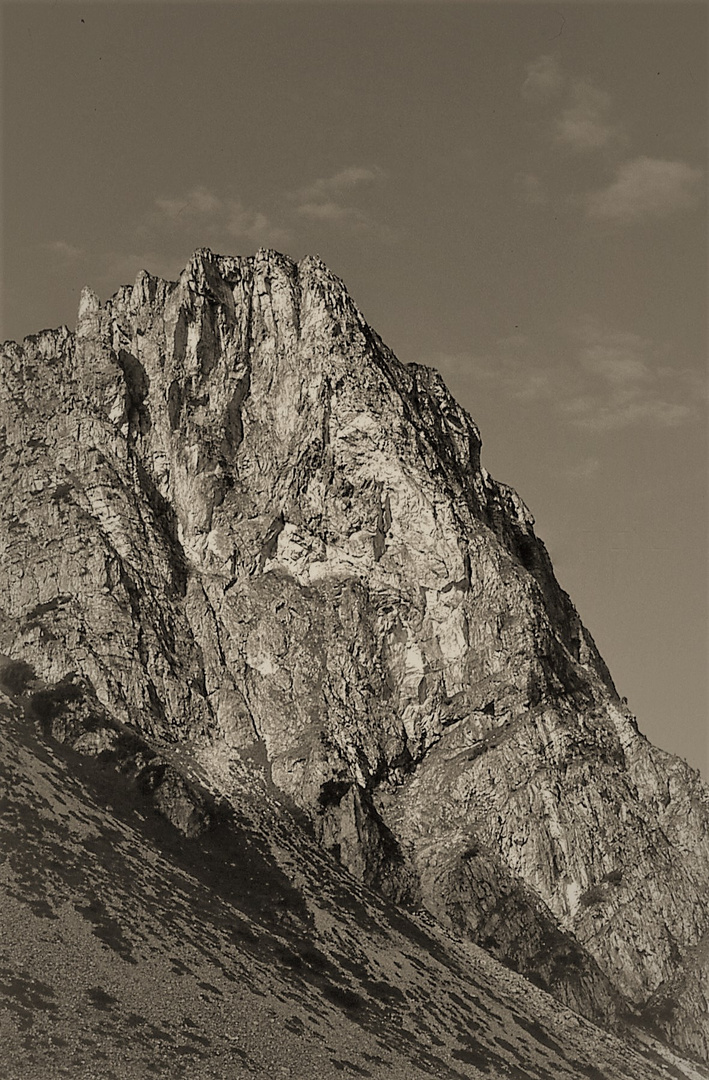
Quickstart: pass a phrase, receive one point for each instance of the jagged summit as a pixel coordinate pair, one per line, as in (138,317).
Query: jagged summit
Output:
(255,534)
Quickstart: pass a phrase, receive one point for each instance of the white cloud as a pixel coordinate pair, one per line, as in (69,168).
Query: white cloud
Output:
(582,120)
(529,189)
(623,379)
(211,218)
(646,188)
(583,470)
(544,79)
(623,408)
(329,186)
(619,358)
(328,199)
(64,252)
(195,202)
(607,380)
(174,226)
(334,213)
(643,187)
(583,124)
(215,219)
(252,224)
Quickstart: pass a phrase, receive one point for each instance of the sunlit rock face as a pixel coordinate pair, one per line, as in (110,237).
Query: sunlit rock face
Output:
(232,511)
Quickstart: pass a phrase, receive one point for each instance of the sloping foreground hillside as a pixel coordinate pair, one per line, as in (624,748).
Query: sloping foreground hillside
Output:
(131,950)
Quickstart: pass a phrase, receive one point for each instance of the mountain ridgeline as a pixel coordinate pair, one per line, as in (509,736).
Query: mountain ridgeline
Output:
(242,541)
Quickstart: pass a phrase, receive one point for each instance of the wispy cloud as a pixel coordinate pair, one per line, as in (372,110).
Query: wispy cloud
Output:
(579,117)
(586,468)
(204,212)
(622,378)
(618,357)
(196,202)
(646,188)
(582,119)
(330,199)
(64,252)
(608,379)
(584,123)
(174,225)
(530,190)
(544,79)
(177,223)
(345,180)
(335,214)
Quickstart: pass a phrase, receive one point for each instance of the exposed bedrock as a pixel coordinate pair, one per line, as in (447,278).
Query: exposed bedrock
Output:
(245,524)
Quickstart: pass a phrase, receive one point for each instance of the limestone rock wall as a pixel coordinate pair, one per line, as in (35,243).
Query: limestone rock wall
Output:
(231,509)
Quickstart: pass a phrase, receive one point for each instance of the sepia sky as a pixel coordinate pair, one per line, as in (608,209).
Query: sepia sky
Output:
(514,193)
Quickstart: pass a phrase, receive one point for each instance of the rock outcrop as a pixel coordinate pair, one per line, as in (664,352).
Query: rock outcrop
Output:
(235,519)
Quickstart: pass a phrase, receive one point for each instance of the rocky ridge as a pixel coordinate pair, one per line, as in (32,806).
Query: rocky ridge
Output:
(246,528)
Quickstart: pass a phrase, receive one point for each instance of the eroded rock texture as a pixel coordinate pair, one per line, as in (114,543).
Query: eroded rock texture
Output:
(232,512)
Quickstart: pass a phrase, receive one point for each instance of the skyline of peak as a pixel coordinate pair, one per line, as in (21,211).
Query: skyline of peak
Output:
(513,194)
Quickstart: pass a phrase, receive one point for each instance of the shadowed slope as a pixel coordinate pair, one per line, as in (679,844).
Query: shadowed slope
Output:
(133,950)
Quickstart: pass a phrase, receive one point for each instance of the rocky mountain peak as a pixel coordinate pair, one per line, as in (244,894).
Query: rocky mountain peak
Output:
(253,532)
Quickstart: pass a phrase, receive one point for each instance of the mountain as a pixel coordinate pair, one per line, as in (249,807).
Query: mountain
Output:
(255,578)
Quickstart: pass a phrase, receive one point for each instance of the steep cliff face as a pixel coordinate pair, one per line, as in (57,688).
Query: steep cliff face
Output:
(231,510)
